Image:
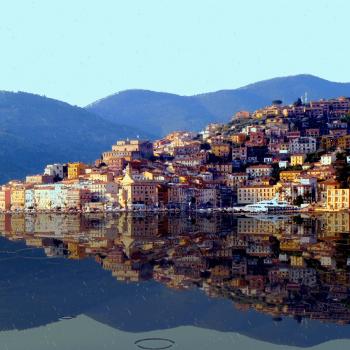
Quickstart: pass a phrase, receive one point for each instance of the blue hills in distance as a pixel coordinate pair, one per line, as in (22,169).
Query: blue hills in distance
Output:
(36,130)
(161,113)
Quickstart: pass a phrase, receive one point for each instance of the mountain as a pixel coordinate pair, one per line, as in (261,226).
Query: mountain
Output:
(35,130)
(161,113)
(157,111)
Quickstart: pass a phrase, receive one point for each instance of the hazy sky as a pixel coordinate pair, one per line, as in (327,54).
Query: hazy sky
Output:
(79,51)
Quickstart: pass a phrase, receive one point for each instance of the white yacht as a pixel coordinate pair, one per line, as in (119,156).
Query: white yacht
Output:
(269,206)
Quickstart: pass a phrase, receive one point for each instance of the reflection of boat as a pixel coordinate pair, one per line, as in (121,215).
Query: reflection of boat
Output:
(272,217)
(63,318)
(269,206)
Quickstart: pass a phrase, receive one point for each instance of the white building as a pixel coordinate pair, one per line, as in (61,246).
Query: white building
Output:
(103,191)
(54,170)
(328,159)
(48,197)
(259,170)
(302,145)
(282,164)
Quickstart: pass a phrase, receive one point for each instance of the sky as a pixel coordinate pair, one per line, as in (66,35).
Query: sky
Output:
(80,51)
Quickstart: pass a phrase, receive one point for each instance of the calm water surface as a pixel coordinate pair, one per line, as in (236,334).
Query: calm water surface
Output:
(174,282)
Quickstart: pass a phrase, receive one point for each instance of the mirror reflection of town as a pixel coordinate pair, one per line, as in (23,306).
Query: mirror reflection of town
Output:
(297,266)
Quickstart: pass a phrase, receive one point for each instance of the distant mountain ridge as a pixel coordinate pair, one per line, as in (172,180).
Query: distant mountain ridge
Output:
(160,112)
(35,130)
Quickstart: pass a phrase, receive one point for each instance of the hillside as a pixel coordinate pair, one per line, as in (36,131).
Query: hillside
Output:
(156,111)
(36,130)
(162,112)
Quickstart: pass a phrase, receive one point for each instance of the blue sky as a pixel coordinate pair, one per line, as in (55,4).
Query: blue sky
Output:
(79,51)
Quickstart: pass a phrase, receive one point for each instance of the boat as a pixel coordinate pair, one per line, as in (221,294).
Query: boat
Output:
(273,205)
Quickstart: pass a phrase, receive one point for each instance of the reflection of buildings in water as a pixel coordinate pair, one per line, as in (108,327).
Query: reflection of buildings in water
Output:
(143,226)
(98,226)
(294,266)
(334,224)
(251,226)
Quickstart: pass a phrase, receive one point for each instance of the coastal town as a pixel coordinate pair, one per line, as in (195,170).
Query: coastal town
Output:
(295,266)
(298,154)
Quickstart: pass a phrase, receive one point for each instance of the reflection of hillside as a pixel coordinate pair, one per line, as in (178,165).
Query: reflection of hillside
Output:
(295,267)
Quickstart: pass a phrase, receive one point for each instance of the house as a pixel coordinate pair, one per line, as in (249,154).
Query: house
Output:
(75,170)
(18,196)
(338,199)
(282,164)
(304,144)
(236,179)
(289,175)
(136,193)
(256,138)
(221,150)
(328,158)
(143,148)
(239,153)
(40,179)
(102,191)
(261,170)
(5,198)
(238,138)
(297,159)
(55,170)
(254,194)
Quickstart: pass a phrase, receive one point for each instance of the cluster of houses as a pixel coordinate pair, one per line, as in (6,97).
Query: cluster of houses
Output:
(299,152)
(298,266)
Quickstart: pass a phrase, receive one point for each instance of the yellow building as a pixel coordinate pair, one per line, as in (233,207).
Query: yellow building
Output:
(290,245)
(221,149)
(297,159)
(338,199)
(289,175)
(76,250)
(284,147)
(18,197)
(104,177)
(137,192)
(148,175)
(344,142)
(335,224)
(75,169)
(297,261)
(328,141)
(127,147)
(254,194)
(238,138)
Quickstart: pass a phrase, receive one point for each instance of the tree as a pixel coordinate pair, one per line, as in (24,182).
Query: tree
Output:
(342,172)
(298,220)
(205,146)
(313,157)
(277,102)
(275,172)
(341,156)
(298,201)
(345,118)
(298,102)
